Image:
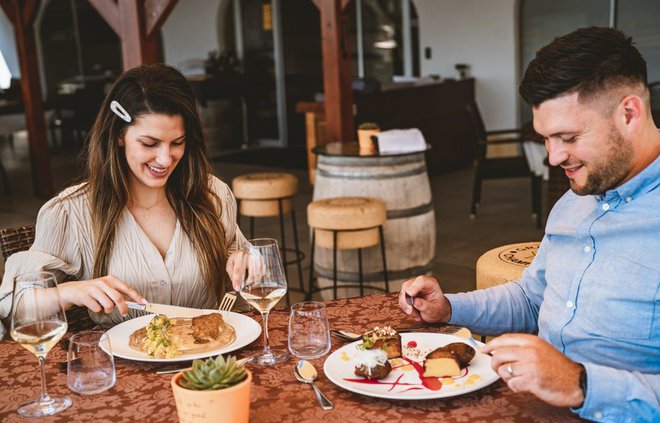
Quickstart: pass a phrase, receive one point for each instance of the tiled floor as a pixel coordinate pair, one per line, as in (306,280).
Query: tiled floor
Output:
(504,216)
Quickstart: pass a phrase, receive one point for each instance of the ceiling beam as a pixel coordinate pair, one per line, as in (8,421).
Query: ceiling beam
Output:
(109,11)
(344,3)
(137,23)
(156,12)
(30,11)
(337,72)
(22,18)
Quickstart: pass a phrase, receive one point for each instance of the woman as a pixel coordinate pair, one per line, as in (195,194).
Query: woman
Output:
(149,222)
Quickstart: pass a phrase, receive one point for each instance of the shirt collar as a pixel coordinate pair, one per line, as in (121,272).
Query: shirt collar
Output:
(640,184)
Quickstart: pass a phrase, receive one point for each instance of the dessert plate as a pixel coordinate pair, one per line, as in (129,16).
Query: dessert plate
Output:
(405,382)
(247,330)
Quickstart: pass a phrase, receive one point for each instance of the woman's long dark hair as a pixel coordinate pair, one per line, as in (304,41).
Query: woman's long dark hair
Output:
(158,89)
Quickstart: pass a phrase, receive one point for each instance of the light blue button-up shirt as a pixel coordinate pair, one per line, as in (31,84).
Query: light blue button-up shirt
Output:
(593,293)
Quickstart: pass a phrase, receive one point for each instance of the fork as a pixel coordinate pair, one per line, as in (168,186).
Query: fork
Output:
(227,301)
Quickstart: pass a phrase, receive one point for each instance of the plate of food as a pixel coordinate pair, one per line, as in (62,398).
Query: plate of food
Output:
(409,366)
(158,338)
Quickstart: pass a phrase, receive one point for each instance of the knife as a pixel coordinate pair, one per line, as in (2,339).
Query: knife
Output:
(168,310)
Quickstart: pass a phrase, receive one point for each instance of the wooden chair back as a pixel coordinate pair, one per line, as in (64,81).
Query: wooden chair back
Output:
(13,240)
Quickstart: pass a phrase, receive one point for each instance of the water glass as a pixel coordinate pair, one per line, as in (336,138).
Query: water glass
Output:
(309,332)
(91,367)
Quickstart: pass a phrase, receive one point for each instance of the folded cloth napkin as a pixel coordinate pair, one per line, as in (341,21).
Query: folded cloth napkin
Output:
(400,141)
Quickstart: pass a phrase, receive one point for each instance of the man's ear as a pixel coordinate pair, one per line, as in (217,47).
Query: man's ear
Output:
(630,113)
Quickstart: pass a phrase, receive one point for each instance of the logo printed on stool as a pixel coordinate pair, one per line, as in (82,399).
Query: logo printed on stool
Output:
(521,256)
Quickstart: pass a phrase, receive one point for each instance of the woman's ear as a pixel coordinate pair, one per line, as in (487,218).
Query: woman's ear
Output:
(120,141)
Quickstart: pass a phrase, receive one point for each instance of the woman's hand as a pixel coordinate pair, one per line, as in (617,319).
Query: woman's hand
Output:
(245,268)
(234,269)
(102,294)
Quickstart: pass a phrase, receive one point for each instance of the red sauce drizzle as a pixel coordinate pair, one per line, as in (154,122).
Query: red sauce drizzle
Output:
(430,383)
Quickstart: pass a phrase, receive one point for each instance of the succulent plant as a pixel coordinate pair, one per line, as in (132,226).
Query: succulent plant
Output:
(212,374)
(369,125)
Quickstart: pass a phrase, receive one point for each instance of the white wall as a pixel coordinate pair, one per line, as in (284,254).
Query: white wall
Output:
(8,45)
(481,33)
(189,33)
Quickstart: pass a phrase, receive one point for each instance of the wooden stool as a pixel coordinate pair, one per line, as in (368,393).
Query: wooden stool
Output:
(270,195)
(504,264)
(344,223)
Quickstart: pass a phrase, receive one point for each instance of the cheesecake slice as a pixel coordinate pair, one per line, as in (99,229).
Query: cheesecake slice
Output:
(441,363)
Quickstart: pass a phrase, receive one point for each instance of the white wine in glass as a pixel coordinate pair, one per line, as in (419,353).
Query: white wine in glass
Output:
(263,284)
(37,323)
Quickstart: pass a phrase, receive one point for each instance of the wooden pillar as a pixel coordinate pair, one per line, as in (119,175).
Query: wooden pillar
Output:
(22,14)
(136,23)
(337,76)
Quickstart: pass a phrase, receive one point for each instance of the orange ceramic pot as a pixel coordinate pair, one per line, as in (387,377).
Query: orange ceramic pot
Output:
(365,142)
(231,405)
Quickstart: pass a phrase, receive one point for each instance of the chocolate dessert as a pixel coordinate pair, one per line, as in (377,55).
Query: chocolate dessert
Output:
(388,339)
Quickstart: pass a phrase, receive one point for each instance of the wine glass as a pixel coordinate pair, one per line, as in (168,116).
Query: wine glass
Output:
(37,323)
(262,285)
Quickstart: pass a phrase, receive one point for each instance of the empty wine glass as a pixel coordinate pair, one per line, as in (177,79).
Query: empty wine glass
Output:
(37,323)
(263,283)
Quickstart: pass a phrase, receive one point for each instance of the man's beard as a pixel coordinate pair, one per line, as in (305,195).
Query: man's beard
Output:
(611,170)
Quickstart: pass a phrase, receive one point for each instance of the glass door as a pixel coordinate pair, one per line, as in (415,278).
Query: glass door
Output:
(260,32)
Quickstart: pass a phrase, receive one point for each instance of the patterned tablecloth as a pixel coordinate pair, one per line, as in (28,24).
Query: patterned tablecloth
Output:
(142,396)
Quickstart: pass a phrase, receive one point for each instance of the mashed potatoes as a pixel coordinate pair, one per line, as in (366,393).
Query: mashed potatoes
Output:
(160,340)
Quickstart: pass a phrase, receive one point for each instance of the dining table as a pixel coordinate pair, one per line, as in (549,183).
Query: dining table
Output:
(141,395)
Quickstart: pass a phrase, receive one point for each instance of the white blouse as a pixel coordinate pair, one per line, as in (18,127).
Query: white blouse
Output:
(64,244)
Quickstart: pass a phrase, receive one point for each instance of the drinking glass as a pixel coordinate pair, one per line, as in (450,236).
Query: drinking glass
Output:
(263,283)
(37,323)
(309,334)
(91,367)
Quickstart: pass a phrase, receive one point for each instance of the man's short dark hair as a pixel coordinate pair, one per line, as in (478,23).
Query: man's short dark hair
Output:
(587,61)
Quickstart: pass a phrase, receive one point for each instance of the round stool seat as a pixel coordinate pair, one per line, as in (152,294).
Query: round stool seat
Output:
(355,218)
(505,263)
(259,193)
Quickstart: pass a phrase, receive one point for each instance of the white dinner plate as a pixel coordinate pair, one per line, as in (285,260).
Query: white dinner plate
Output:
(247,330)
(405,381)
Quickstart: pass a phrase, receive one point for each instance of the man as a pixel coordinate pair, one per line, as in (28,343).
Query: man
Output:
(592,292)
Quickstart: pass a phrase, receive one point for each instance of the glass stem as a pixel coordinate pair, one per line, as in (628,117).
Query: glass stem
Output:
(44,398)
(264,316)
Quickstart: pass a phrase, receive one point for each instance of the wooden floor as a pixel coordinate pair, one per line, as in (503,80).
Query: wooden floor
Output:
(503,218)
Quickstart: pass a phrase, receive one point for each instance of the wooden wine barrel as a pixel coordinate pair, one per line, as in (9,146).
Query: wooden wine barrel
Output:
(402,182)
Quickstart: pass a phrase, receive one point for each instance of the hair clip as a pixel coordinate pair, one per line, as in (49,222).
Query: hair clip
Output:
(120,111)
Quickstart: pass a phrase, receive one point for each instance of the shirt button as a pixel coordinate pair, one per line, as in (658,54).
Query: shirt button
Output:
(569,304)
(587,248)
(628,199)
(598,415)
(163,283)
(606,207)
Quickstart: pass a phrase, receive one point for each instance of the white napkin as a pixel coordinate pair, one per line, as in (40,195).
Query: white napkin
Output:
(400,141)
(536,154)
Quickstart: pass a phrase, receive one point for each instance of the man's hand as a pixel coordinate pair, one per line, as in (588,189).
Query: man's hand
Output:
(529,364)
(102,294)
(430,304)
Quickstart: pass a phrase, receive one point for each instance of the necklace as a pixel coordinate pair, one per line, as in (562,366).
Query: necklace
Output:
(146,209)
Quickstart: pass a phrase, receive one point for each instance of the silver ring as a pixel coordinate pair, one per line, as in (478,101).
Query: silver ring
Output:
(509,369)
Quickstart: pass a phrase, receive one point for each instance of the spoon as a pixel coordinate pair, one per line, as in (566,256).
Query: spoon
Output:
(306,373)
